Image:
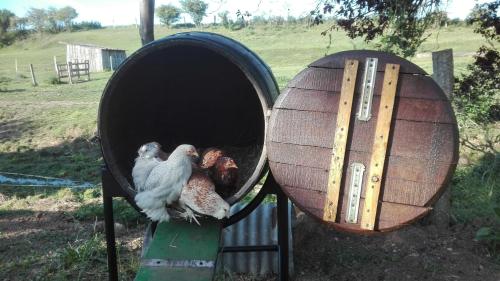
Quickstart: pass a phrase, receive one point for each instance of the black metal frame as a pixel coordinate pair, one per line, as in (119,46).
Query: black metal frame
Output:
(111,189)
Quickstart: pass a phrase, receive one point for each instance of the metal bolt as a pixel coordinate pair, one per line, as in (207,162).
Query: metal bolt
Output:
(375,179)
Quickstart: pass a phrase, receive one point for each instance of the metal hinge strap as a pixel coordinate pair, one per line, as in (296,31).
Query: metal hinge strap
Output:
(177,263)
(365,101)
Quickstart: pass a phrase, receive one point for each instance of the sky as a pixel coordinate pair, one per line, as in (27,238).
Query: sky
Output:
(126,12)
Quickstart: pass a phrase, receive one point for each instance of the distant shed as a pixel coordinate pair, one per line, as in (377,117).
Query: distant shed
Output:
(100,58)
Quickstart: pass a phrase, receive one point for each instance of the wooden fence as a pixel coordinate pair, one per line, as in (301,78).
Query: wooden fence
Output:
(73,70)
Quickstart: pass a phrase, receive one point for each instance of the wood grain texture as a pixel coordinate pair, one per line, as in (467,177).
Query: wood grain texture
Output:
(340,140)
(337,61)
(409,85)
(410,138)
(422,150)
(379,151)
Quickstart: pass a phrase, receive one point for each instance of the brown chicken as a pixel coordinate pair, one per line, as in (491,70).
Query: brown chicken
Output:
(225,172)
(209,157)
(199,196)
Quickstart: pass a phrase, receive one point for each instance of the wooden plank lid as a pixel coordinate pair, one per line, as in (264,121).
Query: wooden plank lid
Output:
(421,146)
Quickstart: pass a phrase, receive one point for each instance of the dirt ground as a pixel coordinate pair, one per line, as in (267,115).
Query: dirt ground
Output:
(32,237)
(418,252)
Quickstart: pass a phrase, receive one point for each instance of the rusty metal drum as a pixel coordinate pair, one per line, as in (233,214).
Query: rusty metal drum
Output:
(421,142)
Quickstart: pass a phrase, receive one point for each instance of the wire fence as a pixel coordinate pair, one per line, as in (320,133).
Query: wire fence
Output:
(40,71)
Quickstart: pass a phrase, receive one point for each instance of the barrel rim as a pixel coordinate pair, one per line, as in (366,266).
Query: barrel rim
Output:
(253,67)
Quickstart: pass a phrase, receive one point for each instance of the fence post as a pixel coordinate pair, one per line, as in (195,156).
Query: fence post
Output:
(111,63)
(33,79)
(15,62)
(55,64)
(70,72)
(442,68)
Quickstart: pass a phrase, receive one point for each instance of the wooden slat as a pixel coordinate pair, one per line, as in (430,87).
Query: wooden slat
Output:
(340,139)
(337,61)
(381,138)
(410,109)
(392,216)
(410,138)
(396,190)
(411,86)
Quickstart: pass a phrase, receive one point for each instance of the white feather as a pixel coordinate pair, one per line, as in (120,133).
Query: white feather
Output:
(142,169)
(164,184)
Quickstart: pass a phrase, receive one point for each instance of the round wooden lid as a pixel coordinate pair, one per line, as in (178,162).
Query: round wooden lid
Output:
(421,152)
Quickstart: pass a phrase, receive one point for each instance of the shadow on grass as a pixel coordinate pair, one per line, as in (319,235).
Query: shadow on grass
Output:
(52,245)
(78,159)
(12,90)
(14,129)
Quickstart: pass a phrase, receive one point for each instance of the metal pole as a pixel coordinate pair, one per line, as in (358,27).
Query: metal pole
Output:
(282,206)
(109,226)
(15,62)
(147,11)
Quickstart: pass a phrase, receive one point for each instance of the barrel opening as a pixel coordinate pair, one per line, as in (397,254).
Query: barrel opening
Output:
(183,94)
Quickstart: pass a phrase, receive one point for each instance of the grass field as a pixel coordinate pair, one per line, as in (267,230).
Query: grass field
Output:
(50,130)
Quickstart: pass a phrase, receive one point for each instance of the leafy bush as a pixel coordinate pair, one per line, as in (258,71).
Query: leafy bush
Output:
(477,93)
(490,235)
(53,80)
(86,25)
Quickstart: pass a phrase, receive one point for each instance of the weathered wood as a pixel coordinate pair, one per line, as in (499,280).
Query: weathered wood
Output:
(411,109)
(55,65)
(379,151)
(337,61)
(33,79)
(411,138)
(70,72)
(421,149)
(443,74)
(340,139)
(410,85)
(392,215)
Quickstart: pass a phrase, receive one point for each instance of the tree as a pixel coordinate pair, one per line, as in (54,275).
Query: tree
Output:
(66,15)
(5,20)
(477,92)
(51,22)
(196,9)
(37,18)
(168,14)
(401,24)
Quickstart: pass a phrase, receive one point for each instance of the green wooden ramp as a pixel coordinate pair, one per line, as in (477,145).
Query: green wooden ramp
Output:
(182,251)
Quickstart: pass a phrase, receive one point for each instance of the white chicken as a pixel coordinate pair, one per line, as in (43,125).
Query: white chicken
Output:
(165,182)
(149,156)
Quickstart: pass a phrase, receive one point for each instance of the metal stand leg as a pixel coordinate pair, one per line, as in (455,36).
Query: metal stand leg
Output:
(282,206)
(109,226)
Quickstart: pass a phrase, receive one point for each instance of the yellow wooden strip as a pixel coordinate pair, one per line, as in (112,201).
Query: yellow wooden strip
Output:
(379,149)
(340,140)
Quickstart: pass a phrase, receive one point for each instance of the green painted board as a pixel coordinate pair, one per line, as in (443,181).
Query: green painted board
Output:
(182,242)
